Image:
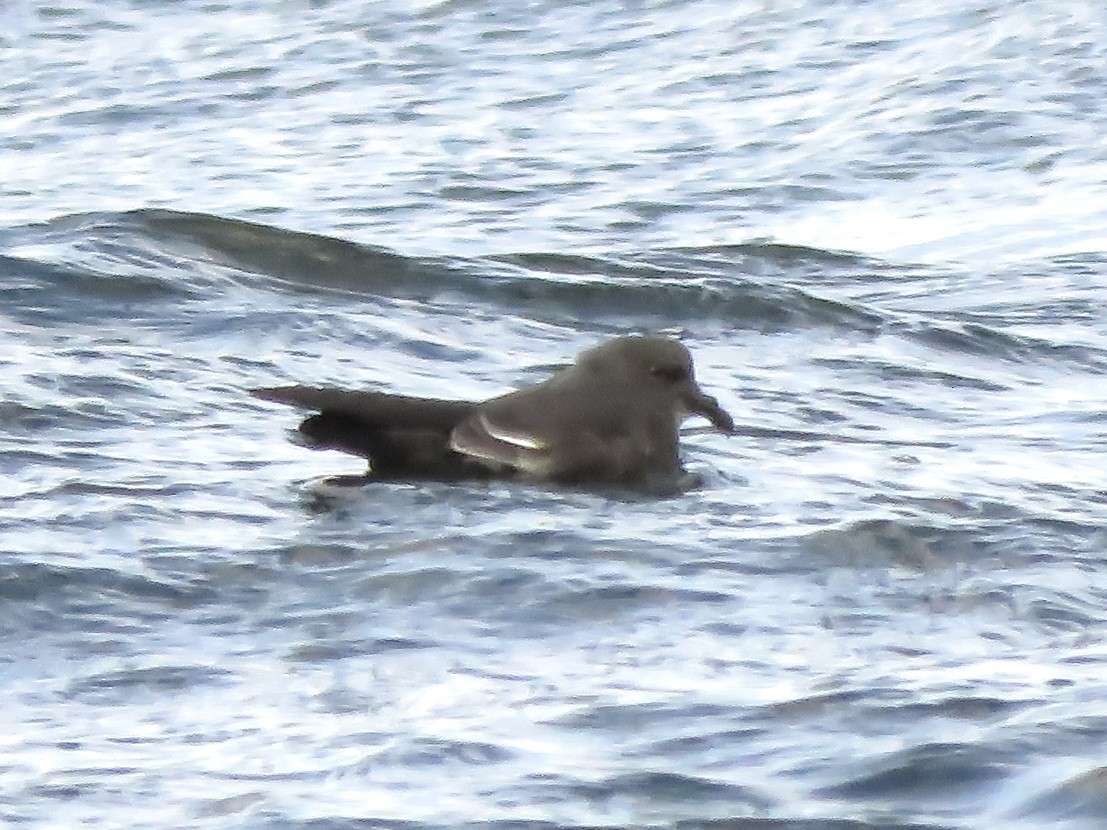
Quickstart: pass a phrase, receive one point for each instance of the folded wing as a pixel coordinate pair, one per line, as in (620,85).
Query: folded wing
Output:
(482,436)
(402,437)
(571,431)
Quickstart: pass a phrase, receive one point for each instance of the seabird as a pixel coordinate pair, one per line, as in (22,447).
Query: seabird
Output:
(612,417)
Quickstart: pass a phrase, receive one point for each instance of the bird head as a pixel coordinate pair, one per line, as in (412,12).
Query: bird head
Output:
(662,364)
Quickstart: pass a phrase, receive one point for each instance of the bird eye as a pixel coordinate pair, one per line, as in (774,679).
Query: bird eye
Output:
(672,374)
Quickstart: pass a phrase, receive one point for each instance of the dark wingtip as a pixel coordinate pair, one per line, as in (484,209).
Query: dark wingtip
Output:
(292,395)
(273,394)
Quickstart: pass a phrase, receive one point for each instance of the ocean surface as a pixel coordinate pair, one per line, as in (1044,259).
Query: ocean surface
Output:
(881,228)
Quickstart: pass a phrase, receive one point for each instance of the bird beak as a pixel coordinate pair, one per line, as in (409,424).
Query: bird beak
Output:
(698,403)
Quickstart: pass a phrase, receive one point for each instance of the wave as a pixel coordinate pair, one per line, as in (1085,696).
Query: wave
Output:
(147,256)
(151,253)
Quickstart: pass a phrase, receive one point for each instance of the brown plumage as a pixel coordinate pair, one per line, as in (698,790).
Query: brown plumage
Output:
(613,416)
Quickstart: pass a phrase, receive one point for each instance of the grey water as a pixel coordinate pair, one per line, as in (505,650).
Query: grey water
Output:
(880,228)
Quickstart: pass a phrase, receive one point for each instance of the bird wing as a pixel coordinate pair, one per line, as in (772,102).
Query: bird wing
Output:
(482,436)
(561,430)
(373,409)
(401,436)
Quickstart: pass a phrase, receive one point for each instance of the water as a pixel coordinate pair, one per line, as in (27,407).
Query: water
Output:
(880,230)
